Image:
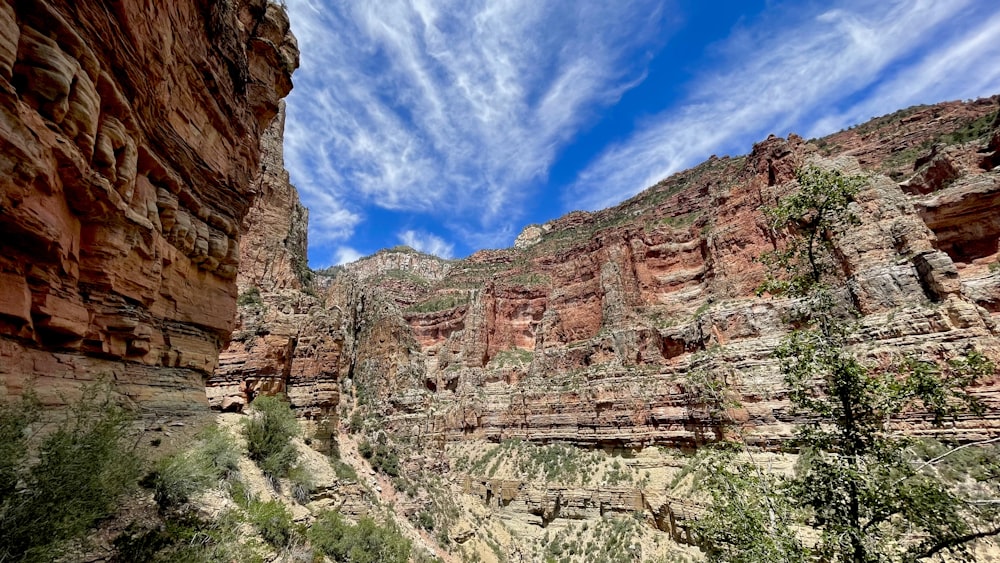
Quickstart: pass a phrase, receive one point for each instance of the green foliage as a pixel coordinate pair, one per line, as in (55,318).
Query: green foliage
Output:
(440,302)
(356,423)
(425,520)
(515,357)
(975,129)
(179,477)
(613,540)
(344,471)
(364,542)
(76,475)
(250,298)
(857,481)
(406,276)
(812,216)
(269,431)
(303,484)
(186,539)
(270,518)
(381,455)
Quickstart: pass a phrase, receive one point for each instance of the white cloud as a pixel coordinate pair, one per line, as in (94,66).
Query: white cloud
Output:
(427,243)
(960,69)
(451,108)
(772,81)
(344,255)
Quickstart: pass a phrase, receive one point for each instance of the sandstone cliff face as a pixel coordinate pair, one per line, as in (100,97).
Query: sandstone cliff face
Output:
(286,340)
(129,136)
(601,329)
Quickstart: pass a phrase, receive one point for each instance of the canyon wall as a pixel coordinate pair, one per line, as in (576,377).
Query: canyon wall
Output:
(129,141)
(287,340)
(613,328)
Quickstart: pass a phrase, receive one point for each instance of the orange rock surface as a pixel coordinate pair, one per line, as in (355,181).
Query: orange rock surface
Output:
(601,328)
(129,136)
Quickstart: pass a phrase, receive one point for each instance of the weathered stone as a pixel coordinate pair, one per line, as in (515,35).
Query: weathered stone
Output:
(598,332)
(103,194)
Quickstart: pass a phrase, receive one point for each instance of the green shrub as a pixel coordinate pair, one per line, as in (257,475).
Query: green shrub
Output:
(365,542)
(381,455)
(188,539)
(269,431)
(425,520)
(79,472)
(250,297)
(270,518)
(303,484)
(344,471)
(179,477)
(356,423)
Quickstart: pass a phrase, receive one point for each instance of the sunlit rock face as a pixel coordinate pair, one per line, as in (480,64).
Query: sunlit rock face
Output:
(600,329)
(129,141)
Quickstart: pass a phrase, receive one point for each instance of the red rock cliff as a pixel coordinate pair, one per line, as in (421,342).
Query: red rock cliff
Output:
(603,328)
(129,138)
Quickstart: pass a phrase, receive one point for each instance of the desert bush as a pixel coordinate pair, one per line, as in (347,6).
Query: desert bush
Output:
(303,484)
(250,297)
(343,470)
(178,477)
(381,455)
(272,520)
(188,539)
(364,542)
(55,488)
(269,431)
(356,423)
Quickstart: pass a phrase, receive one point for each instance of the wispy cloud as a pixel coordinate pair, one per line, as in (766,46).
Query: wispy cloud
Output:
(427,243)
(345,254)
(959,69)
(773,80)
(452,108)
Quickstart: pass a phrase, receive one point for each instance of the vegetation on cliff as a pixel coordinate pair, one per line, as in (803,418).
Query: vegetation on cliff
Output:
(858,481)
(57,482)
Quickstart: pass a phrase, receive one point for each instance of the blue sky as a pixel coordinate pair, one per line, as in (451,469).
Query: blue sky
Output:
(450,125)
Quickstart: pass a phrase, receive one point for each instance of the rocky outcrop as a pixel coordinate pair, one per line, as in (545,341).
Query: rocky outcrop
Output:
(129,138)
(613,328)
(287,339)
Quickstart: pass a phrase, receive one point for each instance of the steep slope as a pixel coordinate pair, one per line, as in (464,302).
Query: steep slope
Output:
(286,340)
(540,398)
(129,139)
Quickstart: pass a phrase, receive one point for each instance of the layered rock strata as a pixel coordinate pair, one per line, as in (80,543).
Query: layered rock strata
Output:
(129,138)
(611,328)
(286,340)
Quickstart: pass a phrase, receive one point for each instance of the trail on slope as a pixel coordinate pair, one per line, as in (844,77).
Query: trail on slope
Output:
(387,494)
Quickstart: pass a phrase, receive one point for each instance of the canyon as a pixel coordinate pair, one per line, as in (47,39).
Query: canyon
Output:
(611,333)
(151,237)
(592,328)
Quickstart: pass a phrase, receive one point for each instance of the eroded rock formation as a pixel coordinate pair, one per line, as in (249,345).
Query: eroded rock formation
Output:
(604,329)
(129,138)
(286,340)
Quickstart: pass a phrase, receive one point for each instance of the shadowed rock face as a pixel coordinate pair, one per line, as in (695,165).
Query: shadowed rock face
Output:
(286,340)
(600,329)
(129,138)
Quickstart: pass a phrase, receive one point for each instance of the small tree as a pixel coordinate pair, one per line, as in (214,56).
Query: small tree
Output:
(857,481)
(56,487)
(269,432)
